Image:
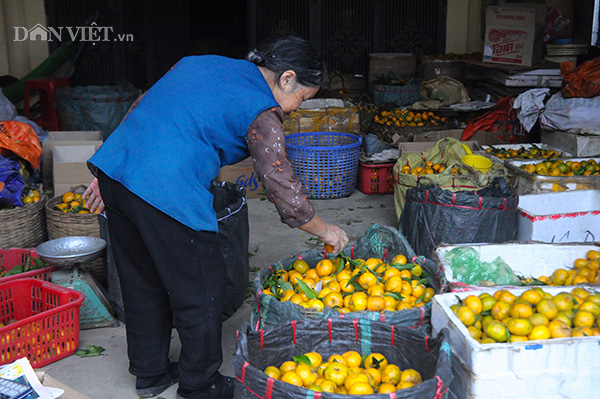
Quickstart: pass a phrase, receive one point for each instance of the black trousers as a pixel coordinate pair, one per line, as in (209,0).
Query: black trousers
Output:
(168,273)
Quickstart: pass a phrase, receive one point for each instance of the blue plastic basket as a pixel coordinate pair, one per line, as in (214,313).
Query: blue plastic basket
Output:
(326,163)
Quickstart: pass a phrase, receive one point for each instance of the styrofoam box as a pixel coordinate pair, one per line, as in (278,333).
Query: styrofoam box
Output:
(569,216)
(554,368)
(522,182)
(563,154)
(524,258)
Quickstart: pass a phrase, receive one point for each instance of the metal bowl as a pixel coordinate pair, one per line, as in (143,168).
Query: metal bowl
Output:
(70,251)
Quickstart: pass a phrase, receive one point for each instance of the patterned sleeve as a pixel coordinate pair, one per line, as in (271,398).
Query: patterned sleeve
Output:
(266,143)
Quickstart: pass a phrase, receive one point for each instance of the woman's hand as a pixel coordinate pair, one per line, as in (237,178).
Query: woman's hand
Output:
(334,236)
(92,197)
(328,233)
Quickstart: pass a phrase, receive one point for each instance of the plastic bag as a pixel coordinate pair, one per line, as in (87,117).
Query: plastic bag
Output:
(433,216)
(576,113)
(430,356)
(11,183)
(441,92)
(94,107)
(501,119)
(234,238)
(468,268)
(583,81)
(20,139)
(378,241)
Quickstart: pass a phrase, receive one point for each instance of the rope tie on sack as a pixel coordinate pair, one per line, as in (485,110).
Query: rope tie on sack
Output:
(392,338)
(439,392)
(329,322)
(269,392)
(262,339)
(294,323)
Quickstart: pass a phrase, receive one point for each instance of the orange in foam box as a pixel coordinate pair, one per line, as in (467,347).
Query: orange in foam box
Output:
(243,173)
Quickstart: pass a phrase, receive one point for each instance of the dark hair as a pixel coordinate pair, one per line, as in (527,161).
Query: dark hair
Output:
(291,53)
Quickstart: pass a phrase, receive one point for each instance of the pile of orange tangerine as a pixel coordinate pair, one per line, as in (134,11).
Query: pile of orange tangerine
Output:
(352,285)
(72,203)
(585,270)
(346,373)
(533,315)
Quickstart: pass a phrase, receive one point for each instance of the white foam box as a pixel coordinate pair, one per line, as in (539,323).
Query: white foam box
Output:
(561,368)
(529,259)
(578,144)
(570,216)
(522,182)
(70,167)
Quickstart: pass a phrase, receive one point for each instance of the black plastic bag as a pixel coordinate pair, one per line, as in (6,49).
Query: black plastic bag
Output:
(234,239)
(94,107)
(430,356)
(378,241)
(433,216)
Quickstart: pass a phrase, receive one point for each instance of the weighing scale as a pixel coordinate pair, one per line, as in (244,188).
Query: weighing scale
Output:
(69,253)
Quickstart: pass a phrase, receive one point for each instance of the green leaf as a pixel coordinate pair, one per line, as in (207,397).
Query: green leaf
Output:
(302,359)
(382,205)
(395,295)
(310,293)
(91,350)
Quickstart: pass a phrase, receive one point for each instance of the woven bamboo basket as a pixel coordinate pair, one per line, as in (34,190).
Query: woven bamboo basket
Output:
(23,227)
(61,224)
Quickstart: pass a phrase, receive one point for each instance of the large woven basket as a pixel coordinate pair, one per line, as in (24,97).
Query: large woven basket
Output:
(23,227)
(62,224)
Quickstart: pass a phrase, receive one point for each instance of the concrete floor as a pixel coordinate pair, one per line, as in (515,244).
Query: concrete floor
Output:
(106,377)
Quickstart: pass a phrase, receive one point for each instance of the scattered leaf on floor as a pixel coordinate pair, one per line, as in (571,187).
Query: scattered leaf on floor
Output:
(91,350)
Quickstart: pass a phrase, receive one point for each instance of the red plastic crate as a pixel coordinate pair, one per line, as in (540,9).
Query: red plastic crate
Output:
(375,179)
(10,258)
(47,321)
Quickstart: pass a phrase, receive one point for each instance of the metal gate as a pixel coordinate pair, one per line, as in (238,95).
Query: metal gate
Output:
(346,31)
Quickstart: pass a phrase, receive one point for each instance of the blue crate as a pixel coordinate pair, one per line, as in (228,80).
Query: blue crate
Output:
(326,163)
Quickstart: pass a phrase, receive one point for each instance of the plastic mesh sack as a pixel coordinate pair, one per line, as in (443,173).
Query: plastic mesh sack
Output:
(430,356)
(447,152)
(468,268)
(378,241)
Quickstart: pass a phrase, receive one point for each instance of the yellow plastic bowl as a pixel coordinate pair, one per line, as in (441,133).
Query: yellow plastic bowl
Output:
(477,162)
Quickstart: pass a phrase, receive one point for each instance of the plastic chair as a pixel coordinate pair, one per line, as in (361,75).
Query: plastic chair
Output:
(48,120)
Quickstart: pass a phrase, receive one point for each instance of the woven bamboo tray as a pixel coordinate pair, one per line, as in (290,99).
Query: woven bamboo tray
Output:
(60,224)
(23,227)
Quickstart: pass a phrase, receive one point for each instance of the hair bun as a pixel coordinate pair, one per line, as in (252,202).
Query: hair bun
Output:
(256,57)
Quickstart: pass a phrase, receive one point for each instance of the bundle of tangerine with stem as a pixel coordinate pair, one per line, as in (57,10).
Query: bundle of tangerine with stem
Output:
(352,285)
(346,373)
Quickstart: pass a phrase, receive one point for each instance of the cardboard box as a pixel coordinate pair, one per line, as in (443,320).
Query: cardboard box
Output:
(64,138)
(524,258)
(323,115)
(513,35)
(570,216)
(580,145)
(70,167)
(49,381)
(243,173)
(551,369)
